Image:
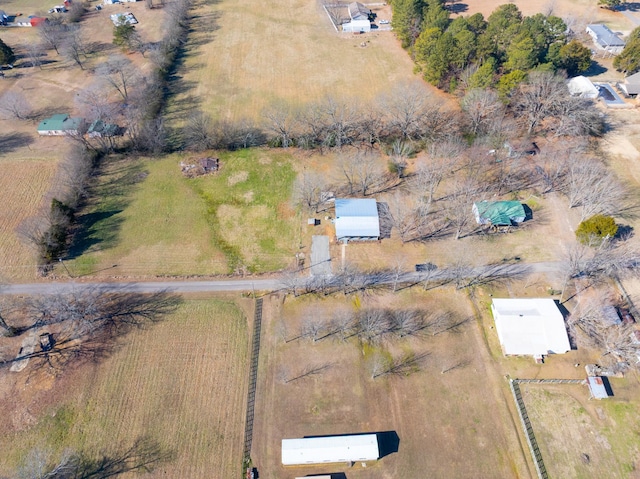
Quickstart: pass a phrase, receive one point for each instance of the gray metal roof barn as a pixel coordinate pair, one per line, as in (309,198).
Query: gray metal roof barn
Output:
(330,449)
(357,219)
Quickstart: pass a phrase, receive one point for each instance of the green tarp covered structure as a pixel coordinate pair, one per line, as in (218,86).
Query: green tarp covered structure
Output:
(499,213)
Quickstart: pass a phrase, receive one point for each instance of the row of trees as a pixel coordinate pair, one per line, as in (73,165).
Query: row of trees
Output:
(471,52)
(406,118)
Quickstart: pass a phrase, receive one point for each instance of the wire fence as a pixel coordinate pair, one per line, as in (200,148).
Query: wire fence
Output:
(253,376)
(534,449)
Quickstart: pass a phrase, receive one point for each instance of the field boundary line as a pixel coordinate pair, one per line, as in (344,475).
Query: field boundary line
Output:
(253,376)
(534,449)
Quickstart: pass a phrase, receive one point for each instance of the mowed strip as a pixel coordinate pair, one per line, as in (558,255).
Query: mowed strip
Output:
(287,51)
(181,382)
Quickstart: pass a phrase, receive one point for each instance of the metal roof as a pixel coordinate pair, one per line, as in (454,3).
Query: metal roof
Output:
(528,326)
(597,388)
(357,218)
(357,11)
(499,213)
(59,122)
(605,37)
(330,449)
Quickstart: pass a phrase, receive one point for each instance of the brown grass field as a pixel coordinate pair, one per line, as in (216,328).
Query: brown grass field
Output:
(453,424)
(567,425)
(288,51)
(181,383)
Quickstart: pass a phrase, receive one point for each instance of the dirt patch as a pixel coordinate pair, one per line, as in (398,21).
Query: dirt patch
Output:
(238,177)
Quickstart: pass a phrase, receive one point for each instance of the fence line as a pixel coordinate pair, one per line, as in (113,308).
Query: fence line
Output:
(253,376)
(528,430)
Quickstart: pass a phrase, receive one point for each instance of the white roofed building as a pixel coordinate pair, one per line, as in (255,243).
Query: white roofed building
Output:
(531,327)
(330,449)
(357,219)
(582,87)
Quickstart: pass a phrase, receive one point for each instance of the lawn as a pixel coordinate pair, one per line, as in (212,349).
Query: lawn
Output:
(150,220)
(181,384)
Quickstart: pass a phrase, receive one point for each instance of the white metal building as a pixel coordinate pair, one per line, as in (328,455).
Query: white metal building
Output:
(597,387)
(330,449)
(582,87)
(356,26)
(357,219)
(530,327)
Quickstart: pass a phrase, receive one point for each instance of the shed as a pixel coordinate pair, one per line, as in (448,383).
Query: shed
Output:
(582,87)
(357,11)
(357,219)
(604,38)
(498,213)
(35,21)
(631,85)
(126,18)
(100,129)
(597,388)
(529,326)
(60,125)
(330,449)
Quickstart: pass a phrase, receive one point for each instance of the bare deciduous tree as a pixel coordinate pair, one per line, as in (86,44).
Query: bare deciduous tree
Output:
(282,122)
(536,99)
(53,33)
(35,52)
(75,47)
(14,105)
(483,108)
(120,73)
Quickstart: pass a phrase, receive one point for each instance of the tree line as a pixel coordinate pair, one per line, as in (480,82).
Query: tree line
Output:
(471,52)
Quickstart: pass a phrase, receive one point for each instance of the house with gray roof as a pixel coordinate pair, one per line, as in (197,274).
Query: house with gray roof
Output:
(605,39)
(631,85)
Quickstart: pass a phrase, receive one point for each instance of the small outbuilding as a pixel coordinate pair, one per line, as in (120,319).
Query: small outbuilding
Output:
(357,220)
(631,85)
(330,449)
(60,125)
(100,129)
(530,327)
(498,213)
(582,87)
(597,387)
(127,18)
(605,39)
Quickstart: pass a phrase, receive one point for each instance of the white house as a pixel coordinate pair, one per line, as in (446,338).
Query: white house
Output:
(582,87)
(532,327)
(359,15)
(605,39)
(330,449)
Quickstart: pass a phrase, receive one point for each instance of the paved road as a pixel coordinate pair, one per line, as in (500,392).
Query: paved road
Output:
(194,286)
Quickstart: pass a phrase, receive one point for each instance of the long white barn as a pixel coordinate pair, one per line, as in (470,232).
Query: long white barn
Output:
(330,449)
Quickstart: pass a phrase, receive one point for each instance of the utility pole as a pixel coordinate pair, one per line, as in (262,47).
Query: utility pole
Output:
(65,267)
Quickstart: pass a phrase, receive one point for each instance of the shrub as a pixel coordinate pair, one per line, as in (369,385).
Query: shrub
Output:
(594,230)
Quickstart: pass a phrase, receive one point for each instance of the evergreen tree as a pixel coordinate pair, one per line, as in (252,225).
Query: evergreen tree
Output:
(7,57)
(629,60)
(407,20)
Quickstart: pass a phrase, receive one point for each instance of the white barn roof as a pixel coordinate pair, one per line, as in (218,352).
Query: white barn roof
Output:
(329,449)
(357,218)
(530,326)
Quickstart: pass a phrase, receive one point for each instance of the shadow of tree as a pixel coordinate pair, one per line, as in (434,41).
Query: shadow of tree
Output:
(13,141)
(99,226)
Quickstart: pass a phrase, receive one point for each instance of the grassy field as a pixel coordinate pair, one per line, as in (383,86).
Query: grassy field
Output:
(452,418)
(181,383)
(150,220)
(568,425)
(287,51)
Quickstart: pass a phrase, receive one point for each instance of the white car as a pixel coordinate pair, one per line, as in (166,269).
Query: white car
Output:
(383,22)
